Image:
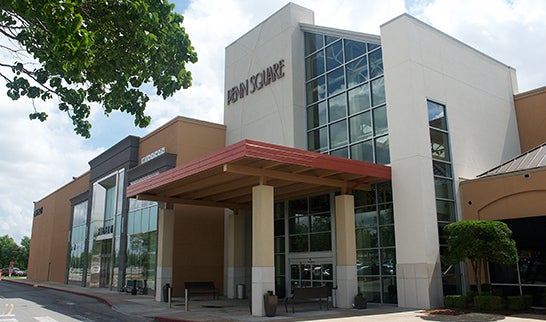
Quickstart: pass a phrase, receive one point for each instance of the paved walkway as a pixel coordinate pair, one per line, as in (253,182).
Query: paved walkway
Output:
(203,309)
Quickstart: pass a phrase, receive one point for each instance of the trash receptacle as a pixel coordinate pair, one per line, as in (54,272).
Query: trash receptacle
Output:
(166,288)
(240,291)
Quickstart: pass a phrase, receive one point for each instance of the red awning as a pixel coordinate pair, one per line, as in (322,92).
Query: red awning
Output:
(225,178)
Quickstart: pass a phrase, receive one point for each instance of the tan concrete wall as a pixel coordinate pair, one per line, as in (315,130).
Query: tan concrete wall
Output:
(531,116)
(518,195)
(49,244)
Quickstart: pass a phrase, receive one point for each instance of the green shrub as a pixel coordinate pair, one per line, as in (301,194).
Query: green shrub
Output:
(488,302)
(455,301)
(519,302)
(470,296)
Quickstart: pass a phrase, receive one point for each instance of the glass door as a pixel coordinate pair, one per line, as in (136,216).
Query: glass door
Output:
(305,273)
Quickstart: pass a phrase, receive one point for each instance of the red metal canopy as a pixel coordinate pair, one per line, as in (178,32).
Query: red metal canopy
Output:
(225,178)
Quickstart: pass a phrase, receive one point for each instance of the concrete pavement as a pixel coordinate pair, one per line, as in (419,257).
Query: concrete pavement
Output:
(206,309)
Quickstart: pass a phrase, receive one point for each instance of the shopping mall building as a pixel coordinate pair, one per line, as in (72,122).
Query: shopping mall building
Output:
(341,158)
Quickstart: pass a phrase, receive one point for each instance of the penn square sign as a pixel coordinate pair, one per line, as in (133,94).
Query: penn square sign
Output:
(256,82)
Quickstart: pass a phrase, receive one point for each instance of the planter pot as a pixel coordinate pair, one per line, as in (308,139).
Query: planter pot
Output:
(360,302)
(270,304)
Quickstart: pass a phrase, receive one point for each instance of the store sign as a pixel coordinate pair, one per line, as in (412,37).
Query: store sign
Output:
(38,211)
(105,230)
(256,82)
(152,155)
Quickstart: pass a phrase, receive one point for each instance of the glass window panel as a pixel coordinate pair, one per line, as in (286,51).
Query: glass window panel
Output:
(336,81)
(354,49)
(299,243)
(445,210)
(436,115)
(366,216)
(363,198)
(337,107)
(279,244)
(439,145)
(279,210)
(357,71)
(370,288)
(338,134)
(343,152)
(317,140)
(327,272)
(382,155)
(313,42)
(366,237)
(378,91)
(442,234)
(441,169)
(279,227)
(298,225)
(316,115)
(386,215)
(388,258)
(297,207)
(320,223)
(331,39)
(384,192)
(443,188)
(131,223)
(389,290)
(334,55)
(145,220)
(318,204)
(367,262)
(279,265)
(153,219)
(362,151)
(314,65)
(321,242)
(380,120)
(376,63)
(386,236)
(359,99)
(316,90)
(360,127)
(372,46)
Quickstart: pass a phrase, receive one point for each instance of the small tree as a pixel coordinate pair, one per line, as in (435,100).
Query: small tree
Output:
(480,241)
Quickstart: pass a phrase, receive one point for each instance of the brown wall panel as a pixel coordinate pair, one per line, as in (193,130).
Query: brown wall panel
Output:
(531,115)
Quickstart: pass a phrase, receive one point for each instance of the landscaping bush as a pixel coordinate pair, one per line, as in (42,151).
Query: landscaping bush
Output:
(470,295)
(488,302)
(519,302)
(455,301)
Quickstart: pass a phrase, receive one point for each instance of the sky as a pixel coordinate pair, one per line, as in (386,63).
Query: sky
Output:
(38,158)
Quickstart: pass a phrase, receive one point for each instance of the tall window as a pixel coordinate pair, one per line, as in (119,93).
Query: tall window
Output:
(443,184)
(345,93)
(77,242)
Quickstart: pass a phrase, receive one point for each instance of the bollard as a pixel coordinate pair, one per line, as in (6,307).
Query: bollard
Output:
(186,299)
(170,295)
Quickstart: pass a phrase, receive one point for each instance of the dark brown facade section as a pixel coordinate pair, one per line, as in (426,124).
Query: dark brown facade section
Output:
(531,115)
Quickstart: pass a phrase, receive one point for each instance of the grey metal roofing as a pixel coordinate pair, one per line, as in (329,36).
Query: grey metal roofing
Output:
(531,159)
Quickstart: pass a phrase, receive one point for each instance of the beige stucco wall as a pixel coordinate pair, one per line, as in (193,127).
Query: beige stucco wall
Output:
(531,116)
(50,231)
(516,195)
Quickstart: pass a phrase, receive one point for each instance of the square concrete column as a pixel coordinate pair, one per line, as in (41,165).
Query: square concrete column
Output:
(165,235)
(263,260)
(235,252)
(347,283)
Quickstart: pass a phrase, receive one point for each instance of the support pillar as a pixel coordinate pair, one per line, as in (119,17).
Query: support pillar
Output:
(347,282)
(165,235)
(235,252)
(263,260)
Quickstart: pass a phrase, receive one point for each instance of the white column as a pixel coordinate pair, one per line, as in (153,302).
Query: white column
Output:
(347,283)
(263,261)
(165,234)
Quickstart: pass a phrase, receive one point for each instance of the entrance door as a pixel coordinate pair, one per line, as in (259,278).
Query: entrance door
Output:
(306,273)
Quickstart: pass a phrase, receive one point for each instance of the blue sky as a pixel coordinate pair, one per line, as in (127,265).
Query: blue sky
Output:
(38,158)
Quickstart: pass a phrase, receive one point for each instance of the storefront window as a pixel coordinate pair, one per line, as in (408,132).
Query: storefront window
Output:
(77,242)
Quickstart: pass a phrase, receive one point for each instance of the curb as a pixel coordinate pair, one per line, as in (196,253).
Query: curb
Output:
(97,297)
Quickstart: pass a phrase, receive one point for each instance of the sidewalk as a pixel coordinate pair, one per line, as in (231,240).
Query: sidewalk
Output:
(204,309)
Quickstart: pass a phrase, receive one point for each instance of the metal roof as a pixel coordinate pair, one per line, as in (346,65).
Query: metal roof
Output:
(534,158)
(225,178)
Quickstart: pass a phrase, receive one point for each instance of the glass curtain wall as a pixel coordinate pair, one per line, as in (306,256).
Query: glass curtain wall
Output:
(347,117)
(105,230)
(77,242)
(443,184)
(141,245)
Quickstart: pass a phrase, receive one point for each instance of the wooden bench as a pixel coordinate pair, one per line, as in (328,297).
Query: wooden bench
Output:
(309,294)
(201,288)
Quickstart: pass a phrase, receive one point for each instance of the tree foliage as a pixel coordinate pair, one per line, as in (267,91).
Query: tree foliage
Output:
(480,241)
(93,51)
(9,251)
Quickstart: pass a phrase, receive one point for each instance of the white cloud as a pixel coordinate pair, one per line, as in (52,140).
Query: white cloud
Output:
(37,158)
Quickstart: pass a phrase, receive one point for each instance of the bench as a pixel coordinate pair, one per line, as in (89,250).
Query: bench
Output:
(201,288)
(309,294)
